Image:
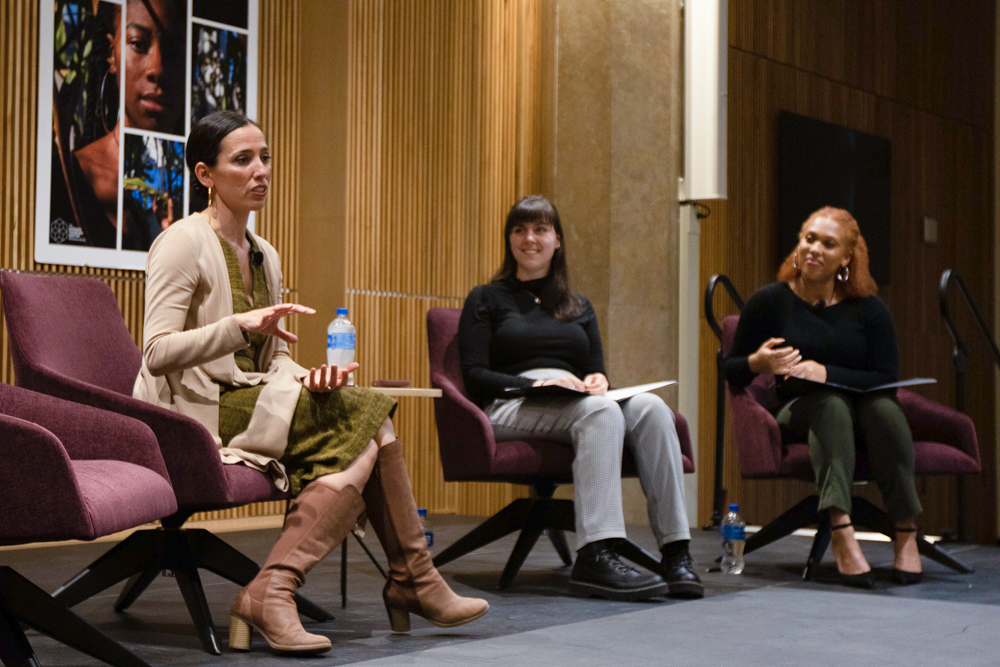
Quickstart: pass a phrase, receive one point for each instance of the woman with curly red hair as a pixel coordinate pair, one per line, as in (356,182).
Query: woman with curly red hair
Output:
(822,321)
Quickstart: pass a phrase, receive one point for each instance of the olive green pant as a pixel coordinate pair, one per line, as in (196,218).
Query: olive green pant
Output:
(836,425)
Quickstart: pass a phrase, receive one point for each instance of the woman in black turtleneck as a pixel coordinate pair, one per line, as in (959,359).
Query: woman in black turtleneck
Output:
(823,322)
(525,329)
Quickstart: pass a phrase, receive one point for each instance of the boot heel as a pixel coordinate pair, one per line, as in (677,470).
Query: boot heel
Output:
(240,633)
(399,619)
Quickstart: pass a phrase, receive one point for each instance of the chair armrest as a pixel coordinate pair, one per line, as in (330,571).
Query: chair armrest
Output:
(39,495)
(190,453)
(756,434)
(465,434)
(931,421)
(86,433)
(684,437)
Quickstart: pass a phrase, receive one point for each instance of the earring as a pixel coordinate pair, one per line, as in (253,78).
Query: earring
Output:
(795,261)
(211,196)
(103,111)
(843,277)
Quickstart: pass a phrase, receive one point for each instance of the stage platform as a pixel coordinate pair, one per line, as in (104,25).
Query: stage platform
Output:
(766,616)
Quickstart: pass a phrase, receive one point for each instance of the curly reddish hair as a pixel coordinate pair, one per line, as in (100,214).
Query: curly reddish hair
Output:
(859,281)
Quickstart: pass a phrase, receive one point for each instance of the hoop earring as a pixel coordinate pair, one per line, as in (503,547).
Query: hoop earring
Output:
(103,111)
(843,278)
(211,196)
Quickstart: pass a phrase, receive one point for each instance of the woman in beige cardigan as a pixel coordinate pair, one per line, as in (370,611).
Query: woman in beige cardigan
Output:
(214,349)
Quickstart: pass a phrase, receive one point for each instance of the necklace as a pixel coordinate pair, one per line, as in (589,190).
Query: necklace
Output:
(535,298)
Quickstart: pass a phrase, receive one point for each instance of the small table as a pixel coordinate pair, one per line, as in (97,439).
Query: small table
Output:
(400,392)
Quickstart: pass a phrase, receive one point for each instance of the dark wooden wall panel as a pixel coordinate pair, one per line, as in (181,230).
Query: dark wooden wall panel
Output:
(921,75)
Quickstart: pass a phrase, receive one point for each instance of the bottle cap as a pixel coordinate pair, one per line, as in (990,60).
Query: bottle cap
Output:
(734,508)
(341,311)
(421,512)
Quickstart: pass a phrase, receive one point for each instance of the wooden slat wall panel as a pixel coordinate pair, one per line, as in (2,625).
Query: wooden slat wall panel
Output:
(941,166)
(442,130)
(278,103)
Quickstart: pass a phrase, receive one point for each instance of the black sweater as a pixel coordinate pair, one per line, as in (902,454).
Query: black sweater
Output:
(503,332)
(853,338)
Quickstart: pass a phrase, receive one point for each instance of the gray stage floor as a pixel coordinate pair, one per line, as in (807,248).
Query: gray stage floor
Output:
(765,616)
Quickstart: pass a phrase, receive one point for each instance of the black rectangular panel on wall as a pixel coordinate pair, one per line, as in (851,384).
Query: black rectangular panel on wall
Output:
(821,164)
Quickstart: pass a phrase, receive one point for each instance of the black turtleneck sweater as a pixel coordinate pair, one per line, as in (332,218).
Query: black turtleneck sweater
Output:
(503,332)
(853,338)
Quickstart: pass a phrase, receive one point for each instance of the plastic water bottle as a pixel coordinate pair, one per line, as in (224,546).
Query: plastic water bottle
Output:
(428,533)
(340,342)
(733,541)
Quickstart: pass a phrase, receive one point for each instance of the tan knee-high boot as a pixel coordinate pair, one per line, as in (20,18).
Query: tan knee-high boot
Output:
(320,520)
(414,585)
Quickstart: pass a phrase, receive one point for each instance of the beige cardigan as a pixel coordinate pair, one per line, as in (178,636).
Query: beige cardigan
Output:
(190,336)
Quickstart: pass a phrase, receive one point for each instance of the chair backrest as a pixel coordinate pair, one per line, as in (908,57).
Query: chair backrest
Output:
(465,435)
(70,326)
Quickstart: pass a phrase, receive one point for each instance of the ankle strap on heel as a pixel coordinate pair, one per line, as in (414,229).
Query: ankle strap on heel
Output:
(843,525)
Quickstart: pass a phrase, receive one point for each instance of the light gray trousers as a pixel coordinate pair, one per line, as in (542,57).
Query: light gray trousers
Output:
(598,429)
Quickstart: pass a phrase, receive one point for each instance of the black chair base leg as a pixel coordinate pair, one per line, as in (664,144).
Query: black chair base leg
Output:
(558,539)
(194,597)
(803,514)
(819,546)
(531,516)
(135,587)
(939,554)
(144,554)
(20,600)
(15,651)
(501,524)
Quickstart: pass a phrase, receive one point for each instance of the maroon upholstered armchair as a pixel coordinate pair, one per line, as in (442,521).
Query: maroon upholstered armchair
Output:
(944,443)
(68,471)
(68,339)
(469,453)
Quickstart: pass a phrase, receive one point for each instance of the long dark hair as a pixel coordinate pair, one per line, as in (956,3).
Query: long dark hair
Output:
(557,298)
(205,141)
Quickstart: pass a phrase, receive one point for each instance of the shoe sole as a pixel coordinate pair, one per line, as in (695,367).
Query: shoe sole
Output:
(688,590)
(618,594)
(463,621)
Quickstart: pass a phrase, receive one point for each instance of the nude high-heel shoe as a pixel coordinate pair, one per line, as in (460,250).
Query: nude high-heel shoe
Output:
(414,586)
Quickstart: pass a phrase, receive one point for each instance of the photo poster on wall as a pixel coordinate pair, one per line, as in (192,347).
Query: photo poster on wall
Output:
(120,84)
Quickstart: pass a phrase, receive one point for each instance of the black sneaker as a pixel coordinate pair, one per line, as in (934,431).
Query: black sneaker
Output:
(677,568)
(598,572)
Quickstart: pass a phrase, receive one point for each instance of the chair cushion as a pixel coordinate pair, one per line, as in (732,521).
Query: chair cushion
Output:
(935,458)
(109,496)
(534,458)
(247,485)
(121,495)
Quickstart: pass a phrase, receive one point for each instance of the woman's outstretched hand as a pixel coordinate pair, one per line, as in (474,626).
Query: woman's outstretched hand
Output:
(569,381)
(769,358)
(596,384)
(328,378)
(265,320)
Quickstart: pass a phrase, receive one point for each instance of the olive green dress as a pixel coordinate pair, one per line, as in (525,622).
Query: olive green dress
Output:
(329,430)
